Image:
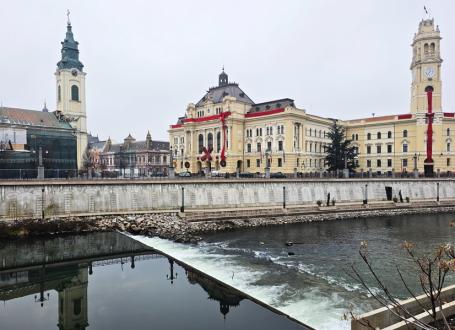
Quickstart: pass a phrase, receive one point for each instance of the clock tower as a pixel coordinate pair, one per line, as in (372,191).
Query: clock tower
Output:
(70,81)
(426,67)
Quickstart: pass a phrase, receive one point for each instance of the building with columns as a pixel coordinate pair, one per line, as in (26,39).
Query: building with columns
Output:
(227,128)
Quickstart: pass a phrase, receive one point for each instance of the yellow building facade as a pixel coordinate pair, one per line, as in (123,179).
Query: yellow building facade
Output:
(227,128)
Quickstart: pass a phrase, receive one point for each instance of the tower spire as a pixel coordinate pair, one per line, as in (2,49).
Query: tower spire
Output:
(70,49)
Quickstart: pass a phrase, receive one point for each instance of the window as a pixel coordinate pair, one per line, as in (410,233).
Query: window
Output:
(378,135)
(269,145)
(448,161)
(74,93)
(271,130)
(448,132)
(320,133)
(405,162)
(369,136)
(368,163)
(389,163)
(280,162)
(357,137)
(389,148)
(258,147)
(389,134)
(201,142)
(368,149)
(77,306)
(405,147)
(258,163)
(311,131)
(448,146)
(280,145)
(218,141)
(59,93)
(378,149)
(378,163)
(210,141)
(267,131)
(248,147)
(353,137)
(405,133)
(248,164)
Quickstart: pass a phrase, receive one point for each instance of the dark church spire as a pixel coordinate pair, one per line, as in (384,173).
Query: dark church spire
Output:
(70,51)
(223,78)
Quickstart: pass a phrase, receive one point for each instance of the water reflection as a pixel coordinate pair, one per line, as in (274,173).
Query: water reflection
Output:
(48,274)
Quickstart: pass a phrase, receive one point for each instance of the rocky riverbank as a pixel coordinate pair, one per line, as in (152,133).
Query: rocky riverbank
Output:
(171,226)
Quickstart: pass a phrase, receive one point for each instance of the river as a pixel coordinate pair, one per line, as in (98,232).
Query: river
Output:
(314,284)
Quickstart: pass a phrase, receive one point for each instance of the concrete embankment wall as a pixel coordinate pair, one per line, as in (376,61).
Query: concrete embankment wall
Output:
(27,199)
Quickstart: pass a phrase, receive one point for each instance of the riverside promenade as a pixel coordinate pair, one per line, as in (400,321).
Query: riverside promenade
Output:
(196,199)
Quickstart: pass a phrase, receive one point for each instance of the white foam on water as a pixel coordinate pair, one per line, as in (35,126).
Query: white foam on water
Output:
(316,309)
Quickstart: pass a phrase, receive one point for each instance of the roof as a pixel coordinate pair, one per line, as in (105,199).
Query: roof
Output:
(216,94)
(139,146)
(32,118)
(99,145)
(276,104)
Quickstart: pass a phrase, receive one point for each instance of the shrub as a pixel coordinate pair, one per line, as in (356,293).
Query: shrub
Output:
(333,202)
(319,203)
(395,199)
(407,199)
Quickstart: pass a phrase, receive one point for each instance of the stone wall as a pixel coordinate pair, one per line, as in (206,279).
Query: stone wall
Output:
(26,199)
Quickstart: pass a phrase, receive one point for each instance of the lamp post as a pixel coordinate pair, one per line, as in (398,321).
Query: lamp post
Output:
(171,173)
(416,170)
(171,277)
(267,163)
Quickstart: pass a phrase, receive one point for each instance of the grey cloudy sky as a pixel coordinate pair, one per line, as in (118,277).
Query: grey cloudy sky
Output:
(146,60)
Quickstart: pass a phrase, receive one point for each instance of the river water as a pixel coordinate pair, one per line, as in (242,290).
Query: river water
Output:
(314,285)
(108,281)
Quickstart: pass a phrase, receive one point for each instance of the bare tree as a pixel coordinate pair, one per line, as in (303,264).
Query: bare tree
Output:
(431,273)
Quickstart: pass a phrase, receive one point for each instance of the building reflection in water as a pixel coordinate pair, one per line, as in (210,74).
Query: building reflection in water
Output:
(224,295)
(60,269)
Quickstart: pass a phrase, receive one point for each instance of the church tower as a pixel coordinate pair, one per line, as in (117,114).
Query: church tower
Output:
(70,79)
(426,67)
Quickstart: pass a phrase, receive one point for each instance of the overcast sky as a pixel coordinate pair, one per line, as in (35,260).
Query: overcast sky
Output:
(146,60)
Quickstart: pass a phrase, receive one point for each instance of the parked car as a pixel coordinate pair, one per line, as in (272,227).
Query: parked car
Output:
(277,175)
(246,175)
(216,174)
(184,174)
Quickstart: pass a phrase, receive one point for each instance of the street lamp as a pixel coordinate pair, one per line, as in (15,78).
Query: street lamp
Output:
(267,163)
(416,170)
(171,173)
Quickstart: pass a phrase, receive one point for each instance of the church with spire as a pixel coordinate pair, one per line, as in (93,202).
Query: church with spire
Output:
(48,143)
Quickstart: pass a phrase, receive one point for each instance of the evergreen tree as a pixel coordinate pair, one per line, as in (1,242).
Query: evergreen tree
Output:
(339,151)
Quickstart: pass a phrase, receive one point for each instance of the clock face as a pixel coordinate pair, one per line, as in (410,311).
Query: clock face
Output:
(429,72)
(74,72)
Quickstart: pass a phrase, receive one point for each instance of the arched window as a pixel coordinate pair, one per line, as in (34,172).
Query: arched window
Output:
(59,93)
(357,137)
(369,136)
(378,135)
(389,134)
(218,141)
(405,133)
(432,48)
(200,142)
(74,93)
(210,141)
(425,49)
(448,146)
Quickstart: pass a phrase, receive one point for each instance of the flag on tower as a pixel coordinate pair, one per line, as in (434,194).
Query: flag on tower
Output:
(425,8)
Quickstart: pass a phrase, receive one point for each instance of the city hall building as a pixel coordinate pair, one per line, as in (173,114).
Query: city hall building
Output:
(229,132)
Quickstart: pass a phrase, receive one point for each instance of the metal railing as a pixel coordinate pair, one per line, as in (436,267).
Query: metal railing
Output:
(70,174)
